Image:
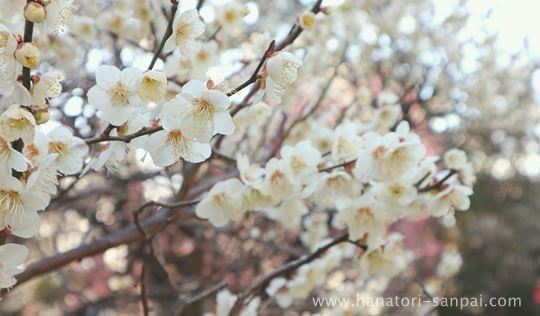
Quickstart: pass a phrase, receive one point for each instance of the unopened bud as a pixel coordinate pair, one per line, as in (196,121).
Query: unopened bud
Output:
(27,55)
(307,20)
(34,12)
(41,116)
(153,86)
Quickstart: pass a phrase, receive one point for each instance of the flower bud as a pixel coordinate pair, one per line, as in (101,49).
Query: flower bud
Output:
(27,55)
(153,86)
(34,12)
(307,20)
(41,116)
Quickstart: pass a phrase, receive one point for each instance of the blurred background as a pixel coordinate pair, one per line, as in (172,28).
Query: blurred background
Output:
(473,65)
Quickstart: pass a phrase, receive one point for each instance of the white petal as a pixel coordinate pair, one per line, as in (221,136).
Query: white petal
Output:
(11,255)
(107,76)
(28,227)
(130,78)
(217,98)
(98,98)
(194,88)
(223,123)
(199,152)
(17,161)
(117,115)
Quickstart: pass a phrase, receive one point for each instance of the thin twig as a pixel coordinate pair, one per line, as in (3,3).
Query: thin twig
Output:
(286,268)
(168,33)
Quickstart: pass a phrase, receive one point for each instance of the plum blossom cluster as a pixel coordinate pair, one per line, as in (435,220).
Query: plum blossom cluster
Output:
(366,181)
(359,174)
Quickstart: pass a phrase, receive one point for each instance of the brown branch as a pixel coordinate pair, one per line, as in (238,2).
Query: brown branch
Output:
(438,184)
(255,75)
(126,138)
(125,236)
(284,269)
(183,303)
(168,33)
(144,298)
(343,164)
(296,29)
(18,144)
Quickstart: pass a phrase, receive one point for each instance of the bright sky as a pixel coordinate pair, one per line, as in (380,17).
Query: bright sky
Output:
(513,20)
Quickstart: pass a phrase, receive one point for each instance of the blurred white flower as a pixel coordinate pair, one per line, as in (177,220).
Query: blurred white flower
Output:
(71,150)
(17,122)
(187,27)
(223,203)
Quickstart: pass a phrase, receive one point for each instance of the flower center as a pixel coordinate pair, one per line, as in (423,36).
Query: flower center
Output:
(364,215)
(57,147)
(183,31)
(4,150)
(379,152)
(202,56)
(4,36)
(297,165)
(230,16)
(203,108)
(119,95)
(31,151)
(277,178)
(177,142)
(10,203)
(396,190)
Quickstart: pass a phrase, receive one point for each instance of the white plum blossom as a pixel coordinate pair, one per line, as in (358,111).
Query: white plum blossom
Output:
(250,174)
(43,178)
(207,114)
(449,264)
(277,183)
(252,116)
(84,27)
(17,122)
(58,13)
(172,143)
(387,157)
(19,207)
(300,161)
(8,64)
(70,150)
(453,196)
(282,70)
(48,86)
(362,216)
(11,257)
(187,27)
(223,203)
(288,213)
(455,159)
(388,260)
(232,14)
(152,86)
(11,158)
(115,93)
(395,194)
(332,186)
(346,144)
